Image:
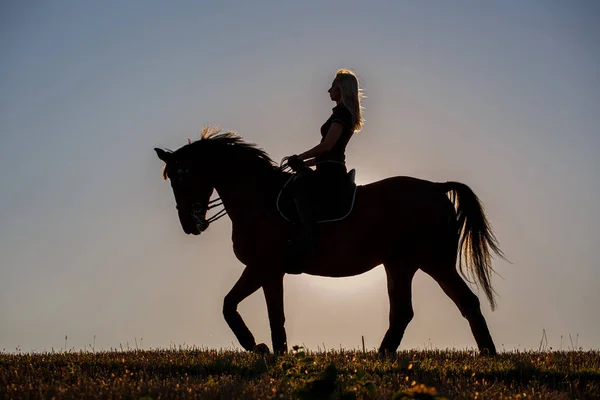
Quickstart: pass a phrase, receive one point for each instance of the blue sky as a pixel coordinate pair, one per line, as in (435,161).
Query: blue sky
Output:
(503,96)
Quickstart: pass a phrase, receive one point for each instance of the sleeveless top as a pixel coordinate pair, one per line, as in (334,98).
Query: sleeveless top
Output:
(337,153)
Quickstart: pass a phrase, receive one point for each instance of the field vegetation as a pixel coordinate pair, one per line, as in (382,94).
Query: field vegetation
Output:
(300,374)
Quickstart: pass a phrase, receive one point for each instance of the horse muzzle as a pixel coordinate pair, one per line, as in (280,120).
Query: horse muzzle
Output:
(201,225)
(199,217)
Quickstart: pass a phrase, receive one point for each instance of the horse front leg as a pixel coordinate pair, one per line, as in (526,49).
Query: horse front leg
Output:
(250,281)
(273,290)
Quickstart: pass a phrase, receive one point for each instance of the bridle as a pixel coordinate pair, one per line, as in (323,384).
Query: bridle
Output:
(198,209)
(198,212)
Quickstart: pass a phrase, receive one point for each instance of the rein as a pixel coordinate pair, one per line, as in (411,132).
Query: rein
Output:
(219,213)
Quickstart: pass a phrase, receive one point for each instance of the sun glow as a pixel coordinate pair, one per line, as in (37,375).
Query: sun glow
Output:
(369,282)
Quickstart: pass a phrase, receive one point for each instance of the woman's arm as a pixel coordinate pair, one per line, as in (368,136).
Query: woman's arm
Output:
(333,134)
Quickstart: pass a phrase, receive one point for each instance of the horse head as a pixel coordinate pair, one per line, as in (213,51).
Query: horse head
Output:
(197,168)
(192,189)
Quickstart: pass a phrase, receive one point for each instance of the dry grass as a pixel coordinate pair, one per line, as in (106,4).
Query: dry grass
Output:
(224,374)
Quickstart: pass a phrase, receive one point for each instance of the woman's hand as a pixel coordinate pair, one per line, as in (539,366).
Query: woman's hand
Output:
(333,134)
(295,162)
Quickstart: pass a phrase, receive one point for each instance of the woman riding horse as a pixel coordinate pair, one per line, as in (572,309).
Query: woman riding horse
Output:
(403,223)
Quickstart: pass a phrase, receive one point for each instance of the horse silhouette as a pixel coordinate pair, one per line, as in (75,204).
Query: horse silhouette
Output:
(401,222)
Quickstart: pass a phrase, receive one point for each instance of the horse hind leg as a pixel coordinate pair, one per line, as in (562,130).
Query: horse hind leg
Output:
(467,302)
(399,282)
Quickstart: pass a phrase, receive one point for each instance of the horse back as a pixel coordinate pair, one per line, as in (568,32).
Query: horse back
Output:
(408,199)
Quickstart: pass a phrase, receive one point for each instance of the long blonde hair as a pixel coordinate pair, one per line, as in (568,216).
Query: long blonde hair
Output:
(351,96)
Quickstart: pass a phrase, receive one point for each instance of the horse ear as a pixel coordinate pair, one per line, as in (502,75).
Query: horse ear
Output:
(163,155)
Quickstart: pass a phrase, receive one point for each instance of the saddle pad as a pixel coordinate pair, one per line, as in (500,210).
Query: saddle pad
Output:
(327,207)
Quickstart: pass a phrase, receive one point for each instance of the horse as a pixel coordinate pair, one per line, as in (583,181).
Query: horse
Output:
(402,222)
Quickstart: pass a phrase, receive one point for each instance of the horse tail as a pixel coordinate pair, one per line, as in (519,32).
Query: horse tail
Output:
(476,238)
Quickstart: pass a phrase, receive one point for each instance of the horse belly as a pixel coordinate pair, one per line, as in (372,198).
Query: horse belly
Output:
(346,255)
(338,269)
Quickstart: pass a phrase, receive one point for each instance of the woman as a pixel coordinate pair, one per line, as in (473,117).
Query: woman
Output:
(329,155)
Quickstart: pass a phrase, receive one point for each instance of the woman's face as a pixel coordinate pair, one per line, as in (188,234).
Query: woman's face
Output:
(334,92)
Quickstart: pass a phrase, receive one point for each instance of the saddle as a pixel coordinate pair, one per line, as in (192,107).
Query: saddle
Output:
(329,204)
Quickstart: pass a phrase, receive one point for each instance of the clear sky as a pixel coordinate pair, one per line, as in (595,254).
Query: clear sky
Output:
(503,96)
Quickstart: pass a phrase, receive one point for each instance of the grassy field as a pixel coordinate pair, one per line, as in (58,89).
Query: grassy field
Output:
(225,374)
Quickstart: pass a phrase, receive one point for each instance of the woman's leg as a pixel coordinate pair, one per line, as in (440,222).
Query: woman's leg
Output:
(302,243)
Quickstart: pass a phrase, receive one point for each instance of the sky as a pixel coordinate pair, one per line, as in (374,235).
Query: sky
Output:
(503,96)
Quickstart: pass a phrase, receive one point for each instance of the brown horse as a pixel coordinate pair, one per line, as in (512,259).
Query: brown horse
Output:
(401,222)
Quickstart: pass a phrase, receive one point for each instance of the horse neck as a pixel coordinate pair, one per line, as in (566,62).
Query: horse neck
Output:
(245,192)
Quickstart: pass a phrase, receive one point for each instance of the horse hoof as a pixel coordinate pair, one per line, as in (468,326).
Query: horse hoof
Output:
(261,349)
(488,352)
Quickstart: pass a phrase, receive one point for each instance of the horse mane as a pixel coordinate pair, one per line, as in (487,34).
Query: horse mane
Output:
(214,142)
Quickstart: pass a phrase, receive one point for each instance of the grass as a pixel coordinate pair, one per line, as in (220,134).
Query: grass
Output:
(226,374)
